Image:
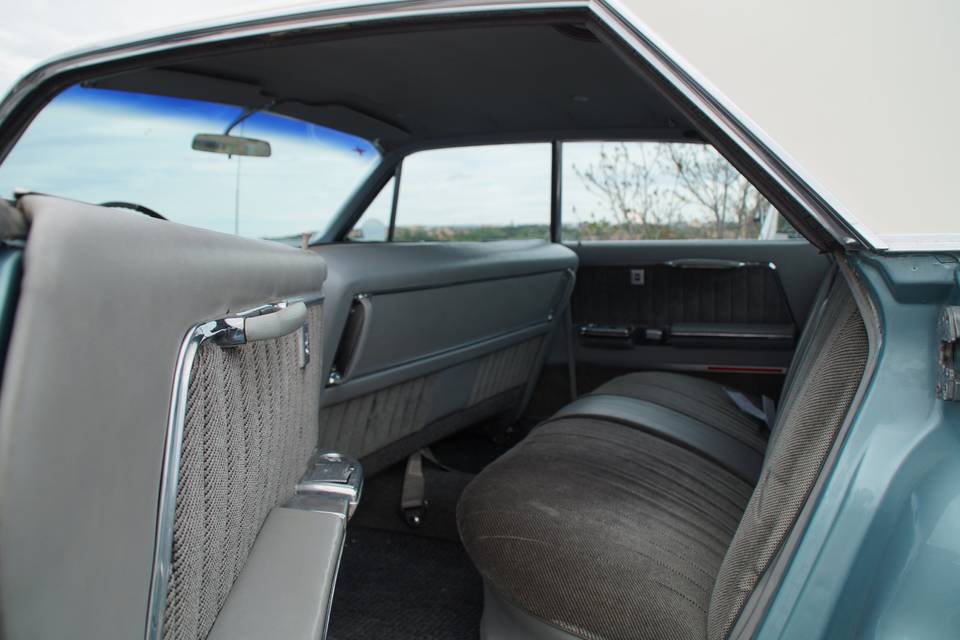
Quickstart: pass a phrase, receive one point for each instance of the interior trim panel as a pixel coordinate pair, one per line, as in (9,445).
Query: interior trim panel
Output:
(429,338)
(430,306)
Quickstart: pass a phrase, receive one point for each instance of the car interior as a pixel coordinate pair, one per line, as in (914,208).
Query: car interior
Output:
(560,431)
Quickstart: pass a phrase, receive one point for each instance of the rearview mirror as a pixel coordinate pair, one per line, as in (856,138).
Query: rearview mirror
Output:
(231,145)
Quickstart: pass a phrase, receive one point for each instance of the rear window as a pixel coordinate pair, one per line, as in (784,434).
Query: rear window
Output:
(99,145)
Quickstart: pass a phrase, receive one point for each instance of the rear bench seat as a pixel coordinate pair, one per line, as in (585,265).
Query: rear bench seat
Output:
(652,507)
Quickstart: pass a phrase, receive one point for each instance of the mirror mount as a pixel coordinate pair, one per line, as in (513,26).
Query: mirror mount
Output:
(246,113)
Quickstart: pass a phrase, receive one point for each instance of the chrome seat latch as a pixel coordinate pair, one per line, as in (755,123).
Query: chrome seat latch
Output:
(333,483)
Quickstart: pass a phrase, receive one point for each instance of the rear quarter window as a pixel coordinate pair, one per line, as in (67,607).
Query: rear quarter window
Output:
(661,191)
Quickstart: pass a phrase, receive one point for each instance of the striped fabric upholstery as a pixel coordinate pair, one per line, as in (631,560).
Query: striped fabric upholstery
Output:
(603,530)
(363,425)
(251,425)
(607,531)
(816,403)
(750,294)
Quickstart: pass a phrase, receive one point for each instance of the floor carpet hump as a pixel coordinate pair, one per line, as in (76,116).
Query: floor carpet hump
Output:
(401,586)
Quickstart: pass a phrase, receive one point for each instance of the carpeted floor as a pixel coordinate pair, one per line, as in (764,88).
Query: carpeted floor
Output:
(401,586)
(404,584)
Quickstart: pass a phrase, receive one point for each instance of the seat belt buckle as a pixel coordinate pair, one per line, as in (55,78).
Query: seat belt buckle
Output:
(412,501)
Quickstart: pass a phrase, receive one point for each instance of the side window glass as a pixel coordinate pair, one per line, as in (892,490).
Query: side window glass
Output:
(374,224)
(661,191)
(495,192)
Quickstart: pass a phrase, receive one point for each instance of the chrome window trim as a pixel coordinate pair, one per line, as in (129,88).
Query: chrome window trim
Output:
(734,124)
(163,545)
(173,444)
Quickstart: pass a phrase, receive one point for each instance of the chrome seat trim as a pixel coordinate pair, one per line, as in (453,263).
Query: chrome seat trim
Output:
(166,509)
(333,483)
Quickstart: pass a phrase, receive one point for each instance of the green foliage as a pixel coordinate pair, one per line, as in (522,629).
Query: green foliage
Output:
(607,230)
(478,233)
(593,230)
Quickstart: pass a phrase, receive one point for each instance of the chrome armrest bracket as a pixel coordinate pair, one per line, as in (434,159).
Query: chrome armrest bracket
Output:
(333,483)
(228,332)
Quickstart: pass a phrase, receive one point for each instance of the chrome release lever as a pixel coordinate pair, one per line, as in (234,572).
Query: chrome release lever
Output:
(274,321)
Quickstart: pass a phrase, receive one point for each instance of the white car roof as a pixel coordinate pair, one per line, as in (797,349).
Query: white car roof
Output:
(862,96)
(858,98)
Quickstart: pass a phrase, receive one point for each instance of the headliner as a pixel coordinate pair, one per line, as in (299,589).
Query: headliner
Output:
(428,86)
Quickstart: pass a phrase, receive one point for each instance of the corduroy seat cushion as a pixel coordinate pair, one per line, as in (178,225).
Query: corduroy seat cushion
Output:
(603,530)
(606,528)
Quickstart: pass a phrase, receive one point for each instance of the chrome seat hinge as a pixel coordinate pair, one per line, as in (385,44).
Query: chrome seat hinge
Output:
(333,483)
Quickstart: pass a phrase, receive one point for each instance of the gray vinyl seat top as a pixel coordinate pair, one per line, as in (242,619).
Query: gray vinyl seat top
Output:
(652,507)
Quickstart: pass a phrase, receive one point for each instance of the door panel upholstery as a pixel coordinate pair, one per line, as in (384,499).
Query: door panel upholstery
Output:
(799,264)
(413,325)
(367,424)
(749,294)
(449,335)
(718,306)
(107,298)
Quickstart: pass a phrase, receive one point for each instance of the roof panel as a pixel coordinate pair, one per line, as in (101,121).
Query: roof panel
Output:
(434,84)
(863,96)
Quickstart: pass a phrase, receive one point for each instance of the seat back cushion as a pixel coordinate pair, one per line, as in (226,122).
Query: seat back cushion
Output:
(251,426)
(822,388)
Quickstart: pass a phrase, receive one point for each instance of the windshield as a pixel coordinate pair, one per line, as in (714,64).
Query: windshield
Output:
(99,145)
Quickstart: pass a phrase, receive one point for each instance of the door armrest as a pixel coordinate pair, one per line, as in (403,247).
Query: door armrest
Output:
(732,335)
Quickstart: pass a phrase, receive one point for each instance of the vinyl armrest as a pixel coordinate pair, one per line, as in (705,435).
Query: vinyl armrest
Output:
(773,336)
(286,586)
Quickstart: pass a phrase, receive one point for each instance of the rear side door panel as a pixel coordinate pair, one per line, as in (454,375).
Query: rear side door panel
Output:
(707,306)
